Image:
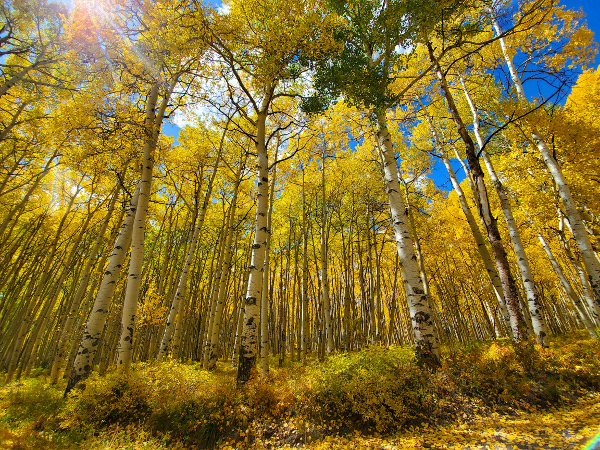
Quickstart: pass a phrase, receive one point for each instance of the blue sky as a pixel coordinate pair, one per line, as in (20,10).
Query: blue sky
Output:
(591,9)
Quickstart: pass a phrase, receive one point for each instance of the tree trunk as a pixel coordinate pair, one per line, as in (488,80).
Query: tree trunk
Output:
(483,207)
(82,366)
(592,266)
(153,124)
(427,347)
(248,347)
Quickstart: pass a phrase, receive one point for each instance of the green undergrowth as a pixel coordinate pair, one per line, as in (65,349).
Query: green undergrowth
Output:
(375,390)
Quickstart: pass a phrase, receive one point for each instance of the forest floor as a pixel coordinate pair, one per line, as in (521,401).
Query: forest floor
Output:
(493,395)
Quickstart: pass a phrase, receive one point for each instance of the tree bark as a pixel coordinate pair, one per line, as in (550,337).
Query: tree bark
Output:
(427,347)
(483,206)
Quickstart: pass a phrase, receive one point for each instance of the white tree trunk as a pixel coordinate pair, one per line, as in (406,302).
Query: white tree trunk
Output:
(427,346)
(324,268)
(153,124)
(248,347)
(90,341)
(264,301)
(61,352)
(537,320)
(592,266)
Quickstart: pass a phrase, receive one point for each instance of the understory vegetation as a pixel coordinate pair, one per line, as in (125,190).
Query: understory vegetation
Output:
(381,393)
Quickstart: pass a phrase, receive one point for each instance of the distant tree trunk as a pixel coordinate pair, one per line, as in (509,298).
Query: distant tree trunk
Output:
(305,342)
(324,268)
(182,285)
(224,274)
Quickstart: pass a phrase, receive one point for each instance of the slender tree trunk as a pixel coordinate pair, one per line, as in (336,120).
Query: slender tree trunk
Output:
(82,366)
(67,328)
(265,298)
(427,347)
(591,263)
(483,207)
(153,124)
(182,286)
(225,270)
(305,338)
(537,320)
(324,265)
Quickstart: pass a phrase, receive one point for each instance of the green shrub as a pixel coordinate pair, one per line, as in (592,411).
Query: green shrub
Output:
(377,387)
(114,398)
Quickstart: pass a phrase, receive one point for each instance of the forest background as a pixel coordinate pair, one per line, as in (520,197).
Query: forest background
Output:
(295,218)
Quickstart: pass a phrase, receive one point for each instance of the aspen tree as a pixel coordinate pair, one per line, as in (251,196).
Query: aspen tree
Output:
(479,239)
(483,207)
(248,48)
(539,326)
(182,285)
(61,352)
(265,297)
(82,365)
(592,265)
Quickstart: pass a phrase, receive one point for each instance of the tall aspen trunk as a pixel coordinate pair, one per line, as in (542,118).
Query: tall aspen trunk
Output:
(483,206)
(479,239)
(153,125)
(537,320)
(82,365)
(480,242)
(265,297)
(305,338)
(225,271)
(248,348)
(427,347)
(324,268)
(61,352)
(182,285)
(591,263)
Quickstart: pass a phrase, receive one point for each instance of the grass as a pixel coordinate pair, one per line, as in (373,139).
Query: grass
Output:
(374,394)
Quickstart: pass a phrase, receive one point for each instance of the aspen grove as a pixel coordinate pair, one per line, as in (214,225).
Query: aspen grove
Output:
(274,181)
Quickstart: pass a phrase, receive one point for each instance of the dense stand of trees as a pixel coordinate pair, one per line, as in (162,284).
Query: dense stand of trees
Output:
(297,214)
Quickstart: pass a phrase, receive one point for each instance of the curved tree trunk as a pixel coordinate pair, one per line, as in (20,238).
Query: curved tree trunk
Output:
(65,333)
(483,206)
(537,320)
(90,341)
(592,266)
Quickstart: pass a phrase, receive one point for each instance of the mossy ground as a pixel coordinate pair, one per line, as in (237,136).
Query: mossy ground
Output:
(486,395)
